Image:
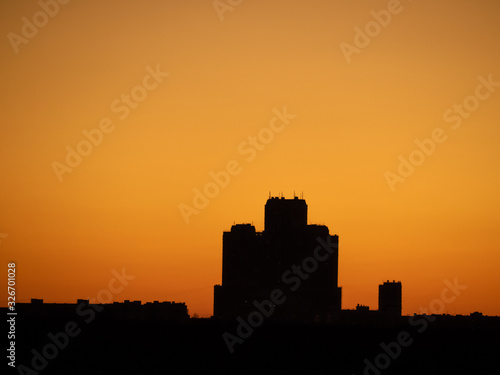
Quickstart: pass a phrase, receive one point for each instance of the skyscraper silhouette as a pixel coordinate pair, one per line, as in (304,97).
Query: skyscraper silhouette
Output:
(284,256)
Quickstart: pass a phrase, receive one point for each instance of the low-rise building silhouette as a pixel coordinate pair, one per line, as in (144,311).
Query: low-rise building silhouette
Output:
(127,310)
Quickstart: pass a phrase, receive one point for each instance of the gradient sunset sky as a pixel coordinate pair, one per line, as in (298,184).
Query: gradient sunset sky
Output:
(434,68)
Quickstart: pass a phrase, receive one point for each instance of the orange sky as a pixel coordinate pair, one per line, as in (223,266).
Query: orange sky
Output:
(227,75)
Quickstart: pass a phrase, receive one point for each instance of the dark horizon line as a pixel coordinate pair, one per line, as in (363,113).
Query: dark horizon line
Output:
(359,308)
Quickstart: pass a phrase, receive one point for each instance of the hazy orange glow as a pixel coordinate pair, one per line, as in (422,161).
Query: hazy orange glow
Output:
(120,206)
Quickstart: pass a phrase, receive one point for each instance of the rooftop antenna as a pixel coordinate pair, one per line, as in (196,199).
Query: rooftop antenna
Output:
(302,195)
(269,194)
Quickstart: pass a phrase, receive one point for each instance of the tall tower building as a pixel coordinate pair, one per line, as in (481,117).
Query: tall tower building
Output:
(298,259)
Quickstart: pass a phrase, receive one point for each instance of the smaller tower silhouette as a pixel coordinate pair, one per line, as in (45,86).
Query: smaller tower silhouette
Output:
(390,298)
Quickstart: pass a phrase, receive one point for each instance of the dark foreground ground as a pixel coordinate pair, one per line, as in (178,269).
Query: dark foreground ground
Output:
(110,346)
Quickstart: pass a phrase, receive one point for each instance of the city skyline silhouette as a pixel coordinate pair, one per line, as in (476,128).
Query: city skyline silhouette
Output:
(254,263)
(140,142)
(278,284)
(290,263)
